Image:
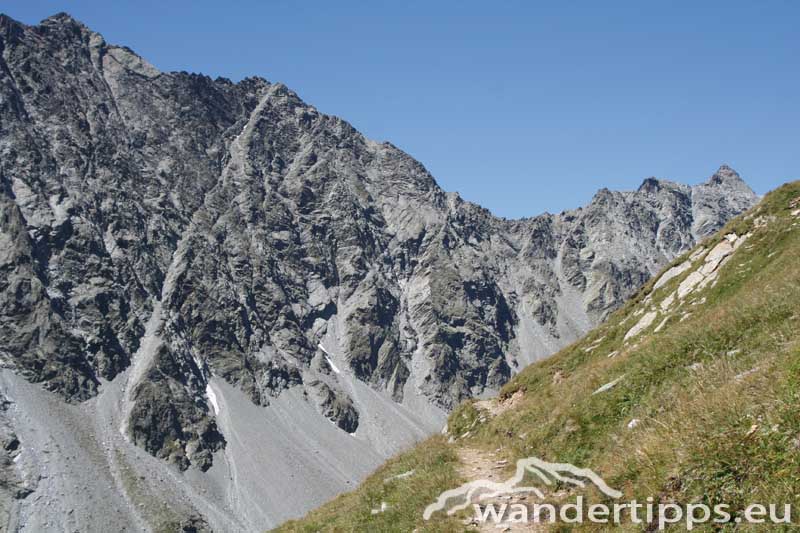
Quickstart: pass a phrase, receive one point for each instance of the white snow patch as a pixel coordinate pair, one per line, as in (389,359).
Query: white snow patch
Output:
(212,398)
(333,366)
(329,360)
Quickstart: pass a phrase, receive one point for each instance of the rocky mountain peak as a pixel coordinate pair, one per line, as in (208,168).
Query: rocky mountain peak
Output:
(10,29)
(725,175)
(64,25)
(725,193)
(63,18)
(6,21)
(650,185)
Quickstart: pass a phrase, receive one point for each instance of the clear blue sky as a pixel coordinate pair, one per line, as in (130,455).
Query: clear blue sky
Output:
(523,107)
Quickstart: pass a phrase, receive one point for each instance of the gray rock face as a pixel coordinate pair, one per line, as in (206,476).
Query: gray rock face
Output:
(160,229)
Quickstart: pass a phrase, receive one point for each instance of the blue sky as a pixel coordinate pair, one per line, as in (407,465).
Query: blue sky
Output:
(522,107)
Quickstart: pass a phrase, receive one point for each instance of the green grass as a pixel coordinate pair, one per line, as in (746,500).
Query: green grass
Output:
(717,395)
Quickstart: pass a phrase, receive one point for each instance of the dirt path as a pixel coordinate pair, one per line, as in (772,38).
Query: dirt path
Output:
(481,464)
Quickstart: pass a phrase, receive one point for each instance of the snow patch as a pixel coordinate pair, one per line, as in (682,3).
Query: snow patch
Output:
(329,360)
(333,367)
(212,398)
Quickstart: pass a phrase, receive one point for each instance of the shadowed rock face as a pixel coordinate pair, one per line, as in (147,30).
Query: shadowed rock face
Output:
(176,227)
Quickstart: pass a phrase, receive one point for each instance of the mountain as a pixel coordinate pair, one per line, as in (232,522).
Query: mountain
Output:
(688,395)
(216,276)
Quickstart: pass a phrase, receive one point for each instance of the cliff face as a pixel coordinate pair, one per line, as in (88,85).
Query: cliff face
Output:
(166,231)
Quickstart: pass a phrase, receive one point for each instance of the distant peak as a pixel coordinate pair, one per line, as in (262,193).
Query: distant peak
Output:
(5,21)
(725,174)
(62,17)
(281,89)
(602,195)
(650,185)
(64,21)
(62,24)
(727,181)
(10,29)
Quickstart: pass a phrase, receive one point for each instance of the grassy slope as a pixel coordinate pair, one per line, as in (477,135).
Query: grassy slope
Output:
(716,395)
